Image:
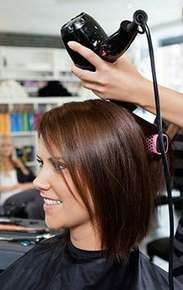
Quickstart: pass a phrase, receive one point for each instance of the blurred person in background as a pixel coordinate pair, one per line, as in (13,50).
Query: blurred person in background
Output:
(18,197)
(53,89)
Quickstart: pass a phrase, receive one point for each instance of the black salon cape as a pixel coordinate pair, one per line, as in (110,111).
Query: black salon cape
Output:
(55,265)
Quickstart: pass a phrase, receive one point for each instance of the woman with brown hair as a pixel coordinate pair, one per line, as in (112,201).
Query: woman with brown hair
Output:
(98,181)
(122,81)
(17,193)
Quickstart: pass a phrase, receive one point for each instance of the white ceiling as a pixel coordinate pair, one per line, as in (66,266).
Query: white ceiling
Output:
(47,16)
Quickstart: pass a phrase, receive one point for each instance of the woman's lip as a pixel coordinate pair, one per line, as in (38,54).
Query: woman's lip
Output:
(49,208)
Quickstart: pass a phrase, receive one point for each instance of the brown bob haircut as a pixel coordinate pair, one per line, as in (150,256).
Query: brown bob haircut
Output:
(104,149)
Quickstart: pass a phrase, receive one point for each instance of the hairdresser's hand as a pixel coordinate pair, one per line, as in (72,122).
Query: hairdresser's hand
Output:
(119,80)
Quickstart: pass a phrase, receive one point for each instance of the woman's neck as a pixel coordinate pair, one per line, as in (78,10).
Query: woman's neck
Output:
(7,163)
(86,237)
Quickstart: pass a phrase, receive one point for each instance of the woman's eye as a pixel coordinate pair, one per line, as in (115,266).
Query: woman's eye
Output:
(40,162)
(58,165)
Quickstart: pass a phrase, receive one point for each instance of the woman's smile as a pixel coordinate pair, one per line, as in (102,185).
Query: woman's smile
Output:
(50,203)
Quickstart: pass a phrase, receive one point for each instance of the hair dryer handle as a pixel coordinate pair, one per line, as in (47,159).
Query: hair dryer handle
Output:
(116,44)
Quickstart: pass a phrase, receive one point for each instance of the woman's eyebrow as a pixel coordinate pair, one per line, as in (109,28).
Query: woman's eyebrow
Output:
(57,158)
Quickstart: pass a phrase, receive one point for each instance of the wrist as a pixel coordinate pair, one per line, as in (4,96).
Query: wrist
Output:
(144,96)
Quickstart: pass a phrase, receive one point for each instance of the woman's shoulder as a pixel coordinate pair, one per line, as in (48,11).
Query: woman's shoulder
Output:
(28,270)
(46,248)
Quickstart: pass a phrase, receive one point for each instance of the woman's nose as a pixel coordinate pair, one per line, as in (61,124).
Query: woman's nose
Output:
(40,183)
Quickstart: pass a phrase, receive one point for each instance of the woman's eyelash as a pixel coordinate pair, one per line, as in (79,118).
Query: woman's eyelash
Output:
(40,162)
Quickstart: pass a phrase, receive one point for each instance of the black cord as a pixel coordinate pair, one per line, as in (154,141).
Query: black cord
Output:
(163,154)
(140,18)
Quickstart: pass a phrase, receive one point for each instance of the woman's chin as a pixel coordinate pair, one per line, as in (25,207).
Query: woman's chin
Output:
(53,225)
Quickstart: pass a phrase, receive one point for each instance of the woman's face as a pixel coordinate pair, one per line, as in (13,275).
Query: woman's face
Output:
(6,147)
(62,209)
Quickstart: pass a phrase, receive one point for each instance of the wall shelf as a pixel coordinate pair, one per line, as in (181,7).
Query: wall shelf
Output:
(41,100)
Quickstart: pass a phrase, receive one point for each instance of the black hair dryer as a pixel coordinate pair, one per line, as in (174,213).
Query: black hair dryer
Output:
(85,30)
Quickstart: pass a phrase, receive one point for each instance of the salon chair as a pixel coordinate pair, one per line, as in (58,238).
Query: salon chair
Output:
(160,247)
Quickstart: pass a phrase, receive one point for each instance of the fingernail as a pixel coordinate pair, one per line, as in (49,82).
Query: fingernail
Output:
(71,43)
